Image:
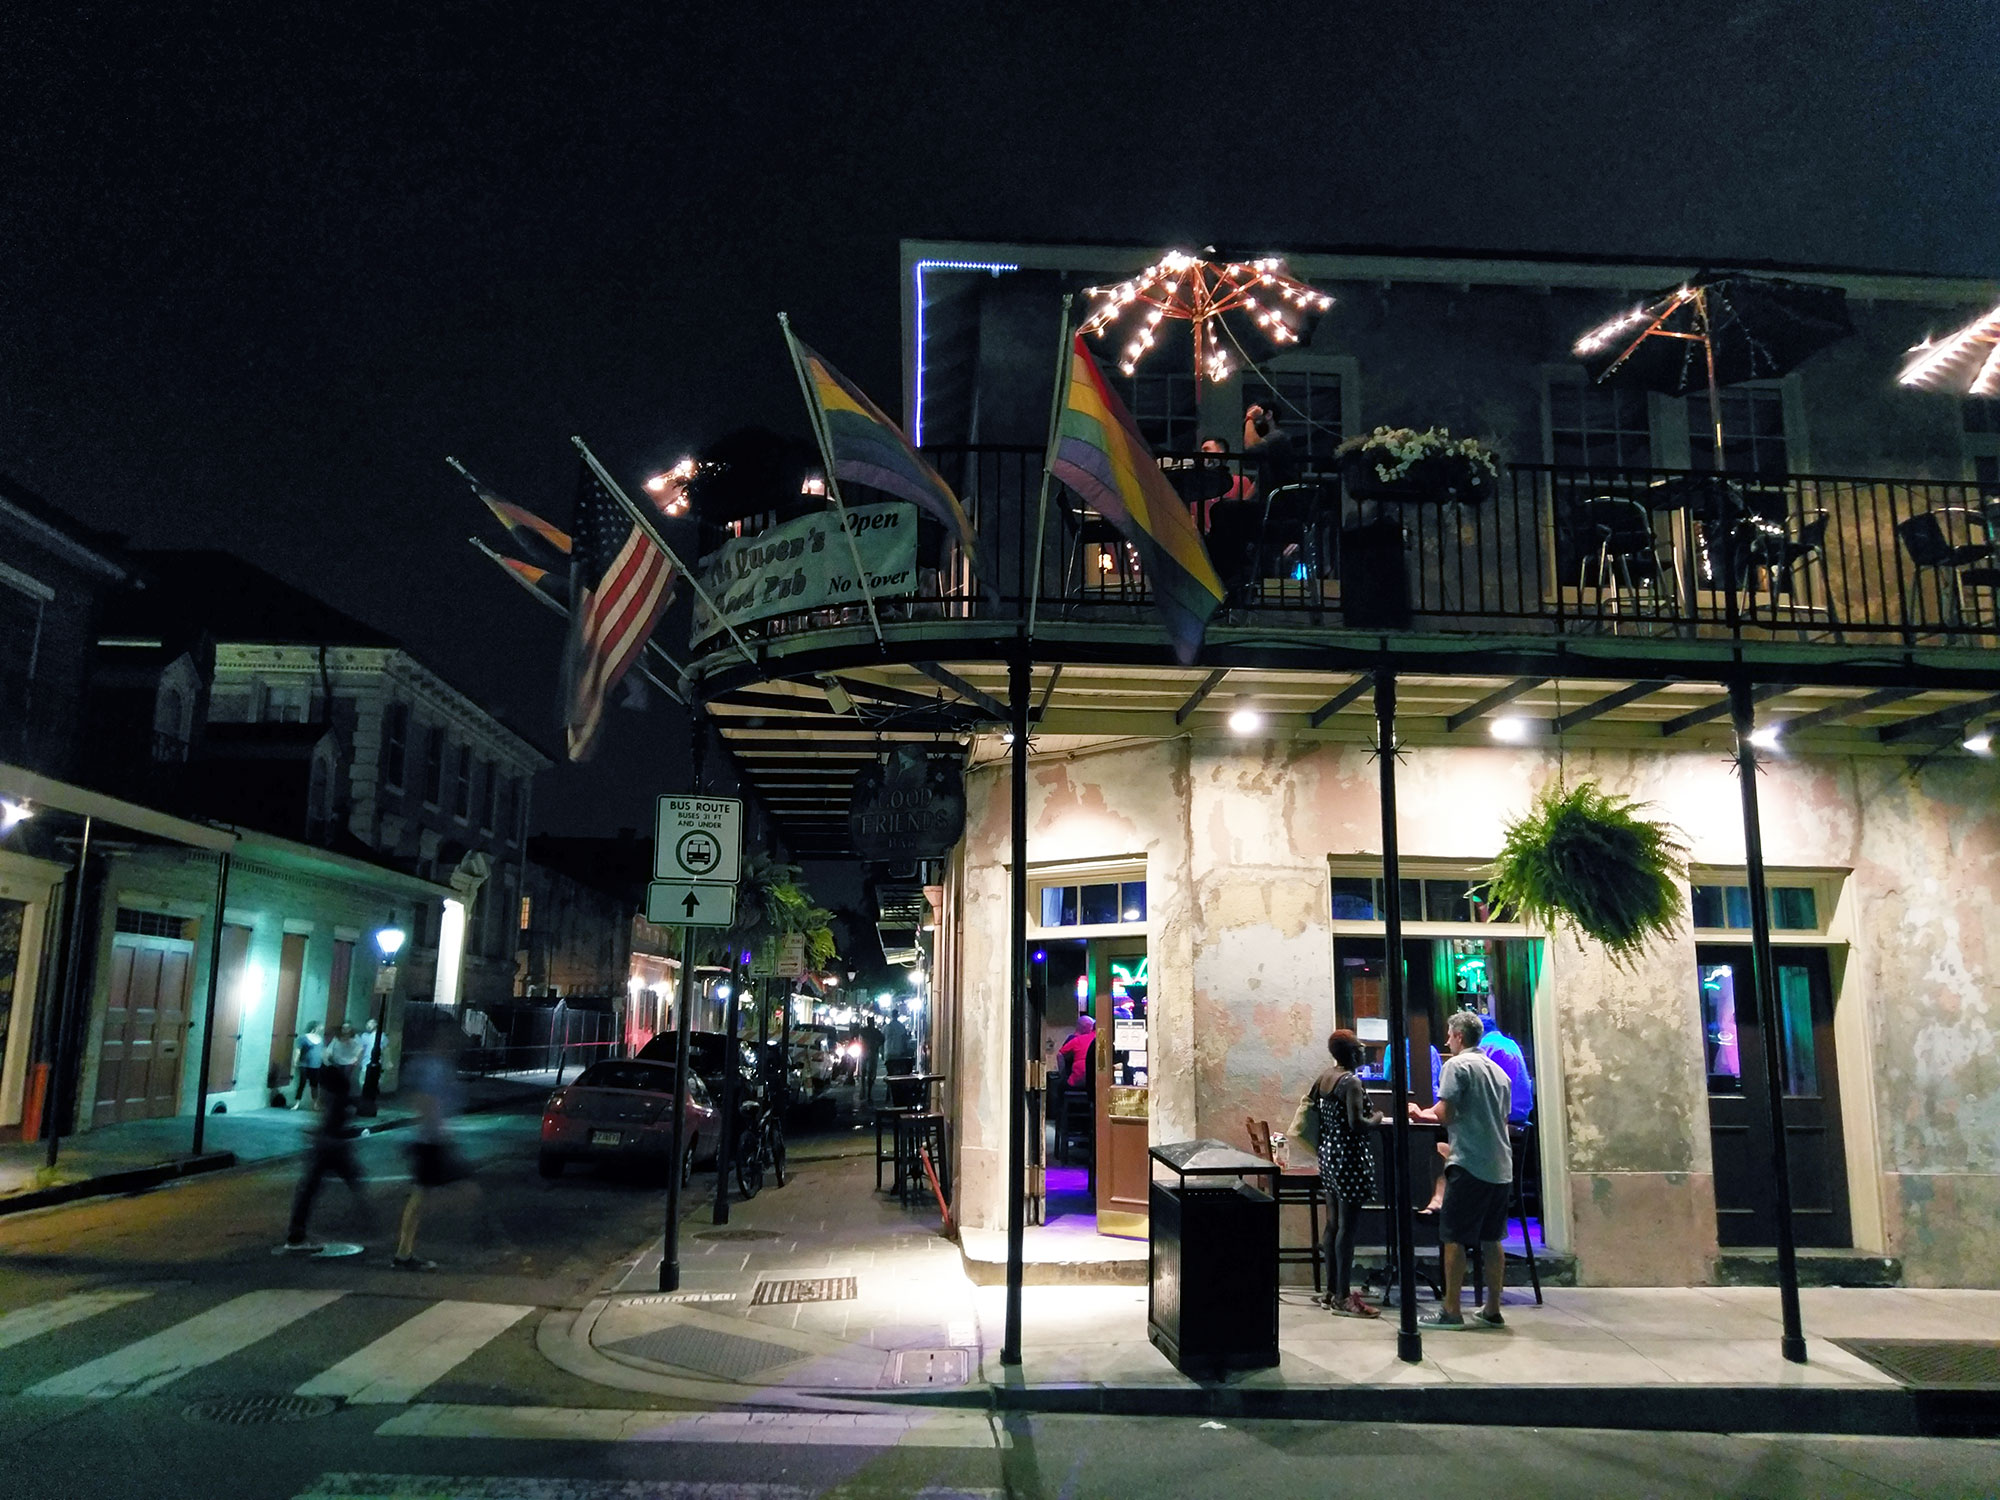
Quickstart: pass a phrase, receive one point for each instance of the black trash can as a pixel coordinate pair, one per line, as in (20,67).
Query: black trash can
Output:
(1374,576)
(1212,1263)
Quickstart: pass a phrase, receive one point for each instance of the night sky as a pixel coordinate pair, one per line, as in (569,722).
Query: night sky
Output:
(263,267)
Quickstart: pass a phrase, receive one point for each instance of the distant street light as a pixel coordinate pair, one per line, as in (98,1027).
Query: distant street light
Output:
(389,941)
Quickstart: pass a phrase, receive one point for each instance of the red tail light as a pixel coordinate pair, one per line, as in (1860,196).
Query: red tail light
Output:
(558,1103)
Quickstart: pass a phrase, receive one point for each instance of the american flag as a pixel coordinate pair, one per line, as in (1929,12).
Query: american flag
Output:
(620,583)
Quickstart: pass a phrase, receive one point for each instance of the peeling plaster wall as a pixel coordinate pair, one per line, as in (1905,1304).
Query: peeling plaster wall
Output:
(1236,838)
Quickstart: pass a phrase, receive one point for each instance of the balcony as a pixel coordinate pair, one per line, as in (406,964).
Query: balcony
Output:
(1672,562)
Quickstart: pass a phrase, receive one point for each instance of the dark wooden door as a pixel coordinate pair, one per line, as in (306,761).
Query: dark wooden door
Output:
(1738,1107)
(1120,1001)
(339,979)
(285,1014)
(234,978)
(145,1023)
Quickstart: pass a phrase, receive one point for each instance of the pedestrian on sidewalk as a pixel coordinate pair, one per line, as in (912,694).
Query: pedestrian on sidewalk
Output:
(1473,1102)
(332,1152)
(871,1058)
(343,1054)
(430,1082)
(310,1048)
(1346,1167)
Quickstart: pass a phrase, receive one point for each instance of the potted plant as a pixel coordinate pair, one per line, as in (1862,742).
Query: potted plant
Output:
(1587,859)
(1400,463)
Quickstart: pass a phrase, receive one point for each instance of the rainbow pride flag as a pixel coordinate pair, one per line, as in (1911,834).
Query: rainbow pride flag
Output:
(1099,454)
(865,447)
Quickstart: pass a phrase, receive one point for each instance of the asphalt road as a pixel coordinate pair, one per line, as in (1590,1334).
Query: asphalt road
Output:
(144,1342)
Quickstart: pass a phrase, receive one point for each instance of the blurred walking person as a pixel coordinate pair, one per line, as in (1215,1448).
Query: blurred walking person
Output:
(430,1082)
(332,1154)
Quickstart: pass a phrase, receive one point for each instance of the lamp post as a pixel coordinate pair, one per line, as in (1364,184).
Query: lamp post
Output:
(390,941)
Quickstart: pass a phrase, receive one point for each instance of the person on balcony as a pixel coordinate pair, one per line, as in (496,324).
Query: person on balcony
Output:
(1268,443)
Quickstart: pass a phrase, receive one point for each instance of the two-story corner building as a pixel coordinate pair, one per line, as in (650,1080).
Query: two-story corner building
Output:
(1205,843)
(270,706)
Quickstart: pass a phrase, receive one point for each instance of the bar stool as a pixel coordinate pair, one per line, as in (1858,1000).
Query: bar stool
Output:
(1294,1188)
(885,1145)
(920,1132)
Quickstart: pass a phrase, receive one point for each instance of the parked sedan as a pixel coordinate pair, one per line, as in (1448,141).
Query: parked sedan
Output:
(623,1111)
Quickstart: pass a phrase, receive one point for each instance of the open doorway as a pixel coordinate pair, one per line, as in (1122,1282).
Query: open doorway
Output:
(1093,998)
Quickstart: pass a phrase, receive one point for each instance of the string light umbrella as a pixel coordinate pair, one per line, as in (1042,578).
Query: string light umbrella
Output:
(1967,361)
(1184,288)
(1714,330)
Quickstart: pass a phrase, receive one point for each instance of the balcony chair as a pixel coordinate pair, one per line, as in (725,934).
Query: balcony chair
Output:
(1105,559)
(1968,563)
(1786,555)
(1617,544)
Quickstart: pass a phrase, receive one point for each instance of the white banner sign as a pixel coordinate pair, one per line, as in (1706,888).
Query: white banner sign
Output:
(807,564)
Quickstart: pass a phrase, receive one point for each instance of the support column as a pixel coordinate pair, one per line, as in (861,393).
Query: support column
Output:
(72,984)
(208,1010)
(1018,685)
(1409,1342)
(1764,981)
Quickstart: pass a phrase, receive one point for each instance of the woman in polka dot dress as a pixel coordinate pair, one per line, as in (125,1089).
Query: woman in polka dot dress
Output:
(1346,1168)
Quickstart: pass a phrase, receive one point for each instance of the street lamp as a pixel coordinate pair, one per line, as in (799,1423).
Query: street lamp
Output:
(389,941)
(13,813)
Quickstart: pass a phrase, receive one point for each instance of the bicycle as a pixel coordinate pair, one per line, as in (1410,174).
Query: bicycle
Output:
(762,1143)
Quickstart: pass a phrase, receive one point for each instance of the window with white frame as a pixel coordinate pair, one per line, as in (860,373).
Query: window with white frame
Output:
(395,744)
(1980,425)
(1308,407)
(1719,901)
(1092,897)
(1162,403)
(461,784)
(1597,427)
(1753,431)
(286,703)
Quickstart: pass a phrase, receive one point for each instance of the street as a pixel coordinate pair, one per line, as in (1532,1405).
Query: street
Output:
(154,1346)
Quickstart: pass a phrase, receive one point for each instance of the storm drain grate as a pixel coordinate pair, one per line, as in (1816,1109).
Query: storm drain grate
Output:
(921,1367)
(709,1351)
(1937,1364)
(254,1411)
(804,1289)
(739,1234)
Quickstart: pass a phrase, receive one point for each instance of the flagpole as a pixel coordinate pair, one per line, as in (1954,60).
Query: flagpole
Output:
(645,523)
(1056,400)
(549,603)
(820,436)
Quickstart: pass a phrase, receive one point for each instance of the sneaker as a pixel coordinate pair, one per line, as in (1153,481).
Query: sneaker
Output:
(1357,1308)
(1442,1319)
(412,1263)
(1489,1319)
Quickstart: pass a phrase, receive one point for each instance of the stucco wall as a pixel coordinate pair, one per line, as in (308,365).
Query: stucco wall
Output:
(1237,838)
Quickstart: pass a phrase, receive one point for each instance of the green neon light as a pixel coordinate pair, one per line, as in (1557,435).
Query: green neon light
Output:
(1129,975)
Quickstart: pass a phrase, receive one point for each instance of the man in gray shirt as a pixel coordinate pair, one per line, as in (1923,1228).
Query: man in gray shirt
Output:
(1473,1102)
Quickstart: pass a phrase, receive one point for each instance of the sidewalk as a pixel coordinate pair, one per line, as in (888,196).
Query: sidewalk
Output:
(143,1153)
(824,1290)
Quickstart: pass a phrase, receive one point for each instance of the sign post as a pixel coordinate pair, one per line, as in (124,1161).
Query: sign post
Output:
(697,859)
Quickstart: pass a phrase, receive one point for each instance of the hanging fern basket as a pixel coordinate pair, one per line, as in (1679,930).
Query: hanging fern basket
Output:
(1589,860)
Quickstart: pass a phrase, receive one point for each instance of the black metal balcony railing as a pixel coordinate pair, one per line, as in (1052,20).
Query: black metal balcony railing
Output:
(1652,552)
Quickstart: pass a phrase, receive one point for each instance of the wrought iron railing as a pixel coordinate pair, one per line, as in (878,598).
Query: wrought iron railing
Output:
(1554,551)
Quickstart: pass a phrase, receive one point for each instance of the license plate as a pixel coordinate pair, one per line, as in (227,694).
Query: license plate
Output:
(605,1138)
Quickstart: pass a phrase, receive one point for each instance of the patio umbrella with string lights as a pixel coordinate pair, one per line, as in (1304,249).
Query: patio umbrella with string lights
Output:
(1967,361)
(1180,287)
(1716,329)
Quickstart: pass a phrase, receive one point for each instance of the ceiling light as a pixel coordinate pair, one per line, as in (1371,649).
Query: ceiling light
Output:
(1765,738)
(12,812)
(1980,741)
(1244,719)
(837,697)
(1511,729)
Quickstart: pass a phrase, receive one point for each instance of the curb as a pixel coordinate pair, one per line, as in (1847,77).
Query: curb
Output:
(1792,1410)
(139,1179)
(110,1184)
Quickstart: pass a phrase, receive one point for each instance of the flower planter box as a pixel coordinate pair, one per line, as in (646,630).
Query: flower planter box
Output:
(1438,479)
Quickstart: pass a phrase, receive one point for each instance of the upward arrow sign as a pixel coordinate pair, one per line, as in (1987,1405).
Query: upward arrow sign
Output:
(692,904)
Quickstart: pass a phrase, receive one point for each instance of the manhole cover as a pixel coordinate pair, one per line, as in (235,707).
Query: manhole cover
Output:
(739,1234)
(929,1367)
(253,1411)
(804,1289)
(1938,1364)
(709,1351)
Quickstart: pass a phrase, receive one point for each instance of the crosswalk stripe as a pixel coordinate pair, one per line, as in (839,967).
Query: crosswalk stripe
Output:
(927,1428)
(32,1322)
(414,1353)
(141,1368)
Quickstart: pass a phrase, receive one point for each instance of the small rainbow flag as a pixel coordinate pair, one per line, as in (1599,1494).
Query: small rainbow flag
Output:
(865,447)
(1099,454)
(547,544)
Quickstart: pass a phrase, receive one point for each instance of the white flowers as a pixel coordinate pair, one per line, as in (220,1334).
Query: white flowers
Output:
(1398,450)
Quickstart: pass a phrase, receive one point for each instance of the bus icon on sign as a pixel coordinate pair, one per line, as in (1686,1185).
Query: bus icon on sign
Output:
(698,852)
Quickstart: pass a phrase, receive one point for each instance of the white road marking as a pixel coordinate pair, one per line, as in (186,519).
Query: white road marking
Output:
(929,1428)
(484,1487)
(33,1322)
(414,1353)
(140,1369)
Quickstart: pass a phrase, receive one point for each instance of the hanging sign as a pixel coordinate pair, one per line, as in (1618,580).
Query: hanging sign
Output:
(912,808)
(806,564)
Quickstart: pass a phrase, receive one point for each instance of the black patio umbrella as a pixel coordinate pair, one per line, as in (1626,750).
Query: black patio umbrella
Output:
(1716,329)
